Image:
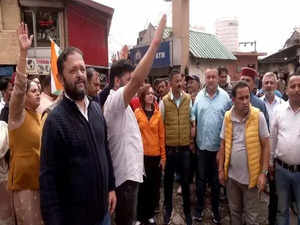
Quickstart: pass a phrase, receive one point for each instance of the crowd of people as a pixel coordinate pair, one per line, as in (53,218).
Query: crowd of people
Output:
(97,157)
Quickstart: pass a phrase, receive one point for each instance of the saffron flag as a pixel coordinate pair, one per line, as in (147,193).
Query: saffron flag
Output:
(56,86)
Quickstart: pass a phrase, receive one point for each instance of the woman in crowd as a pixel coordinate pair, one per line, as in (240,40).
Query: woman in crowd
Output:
(6,215)
(25,129)
(153,134)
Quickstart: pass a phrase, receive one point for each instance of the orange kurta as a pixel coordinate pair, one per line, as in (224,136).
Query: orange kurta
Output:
(153,133)
(25,143)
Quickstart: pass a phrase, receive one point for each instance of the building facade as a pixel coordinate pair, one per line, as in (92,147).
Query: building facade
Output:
(287,60)
(227,31)
(244,59)
(205,51)
(81,23)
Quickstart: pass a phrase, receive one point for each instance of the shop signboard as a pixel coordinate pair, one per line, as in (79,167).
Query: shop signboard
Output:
(162,56)
(40,66)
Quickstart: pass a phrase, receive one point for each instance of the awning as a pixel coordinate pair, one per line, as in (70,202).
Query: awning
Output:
(41,3)
(283,56)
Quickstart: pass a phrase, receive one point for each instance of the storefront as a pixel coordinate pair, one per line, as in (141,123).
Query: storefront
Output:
(84,24)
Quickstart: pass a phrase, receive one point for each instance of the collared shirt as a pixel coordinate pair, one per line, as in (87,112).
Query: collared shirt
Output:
(285,135)
(271,108)
(237,169)
(124,138)
(177,102)
(84,112)
(209,114)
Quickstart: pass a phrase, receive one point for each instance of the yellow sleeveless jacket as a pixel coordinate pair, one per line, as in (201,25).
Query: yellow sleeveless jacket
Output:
(177,121)
(253,146)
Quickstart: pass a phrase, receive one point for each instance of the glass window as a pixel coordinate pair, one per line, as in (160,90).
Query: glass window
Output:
(28,19)
(46,27)
(43,23)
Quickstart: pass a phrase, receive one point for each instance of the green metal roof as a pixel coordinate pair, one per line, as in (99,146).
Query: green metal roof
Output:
(205,46)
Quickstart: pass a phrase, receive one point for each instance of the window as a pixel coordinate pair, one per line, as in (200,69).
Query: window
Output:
(43,23)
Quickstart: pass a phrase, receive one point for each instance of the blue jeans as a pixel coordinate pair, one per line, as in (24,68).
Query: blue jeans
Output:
(106,220)
(286,182)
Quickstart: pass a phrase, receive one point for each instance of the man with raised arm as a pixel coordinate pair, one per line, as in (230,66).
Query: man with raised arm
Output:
(124,136)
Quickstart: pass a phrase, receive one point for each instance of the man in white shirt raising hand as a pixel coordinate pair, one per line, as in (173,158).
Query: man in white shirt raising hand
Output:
(124,137)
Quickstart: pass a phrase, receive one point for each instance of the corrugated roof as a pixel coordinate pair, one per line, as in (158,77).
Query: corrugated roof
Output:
(205,46)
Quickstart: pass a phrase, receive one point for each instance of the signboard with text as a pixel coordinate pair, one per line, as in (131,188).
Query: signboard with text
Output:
(40,66)
(162,56)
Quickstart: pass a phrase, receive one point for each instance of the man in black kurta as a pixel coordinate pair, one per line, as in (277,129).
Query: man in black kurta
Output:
(76,179)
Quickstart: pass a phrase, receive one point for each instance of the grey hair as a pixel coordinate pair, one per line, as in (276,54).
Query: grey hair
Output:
(270,74)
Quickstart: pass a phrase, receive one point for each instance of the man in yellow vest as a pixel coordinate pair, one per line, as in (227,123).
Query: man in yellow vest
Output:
(175,108)
(244,155)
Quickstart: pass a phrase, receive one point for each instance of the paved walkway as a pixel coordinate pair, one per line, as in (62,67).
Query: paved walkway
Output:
(178,216)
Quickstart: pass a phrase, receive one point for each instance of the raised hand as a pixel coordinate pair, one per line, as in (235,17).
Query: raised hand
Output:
(124,52)
(24,40)
(160,30)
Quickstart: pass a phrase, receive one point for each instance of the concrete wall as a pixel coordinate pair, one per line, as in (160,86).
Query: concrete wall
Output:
(9,20)
(234,69)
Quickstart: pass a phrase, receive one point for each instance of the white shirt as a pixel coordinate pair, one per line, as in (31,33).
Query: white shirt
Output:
(271,108)
(124,138)
(285,135)
(3,150)
(2,104)
(86,103)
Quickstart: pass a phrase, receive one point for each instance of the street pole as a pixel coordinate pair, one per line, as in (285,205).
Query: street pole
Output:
(180,24)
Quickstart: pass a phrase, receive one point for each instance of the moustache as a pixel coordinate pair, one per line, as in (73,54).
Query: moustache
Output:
(80,81)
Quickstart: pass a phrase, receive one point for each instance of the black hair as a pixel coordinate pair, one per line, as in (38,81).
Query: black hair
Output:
(222,69)
(4,83)
(46,82)
(164,81)
(118,69)
(63,57)
(89,73)
(239,84)
(156,82)
(29,81)
(173,72)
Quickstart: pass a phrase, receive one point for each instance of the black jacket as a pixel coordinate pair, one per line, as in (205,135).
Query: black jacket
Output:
(76,168)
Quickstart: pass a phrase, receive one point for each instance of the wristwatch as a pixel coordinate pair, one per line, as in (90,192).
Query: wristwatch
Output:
(265,172)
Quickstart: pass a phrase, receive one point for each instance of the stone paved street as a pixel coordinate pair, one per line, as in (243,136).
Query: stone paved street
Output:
(178,216)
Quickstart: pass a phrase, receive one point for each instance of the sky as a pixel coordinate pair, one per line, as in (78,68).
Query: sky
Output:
(269,23)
